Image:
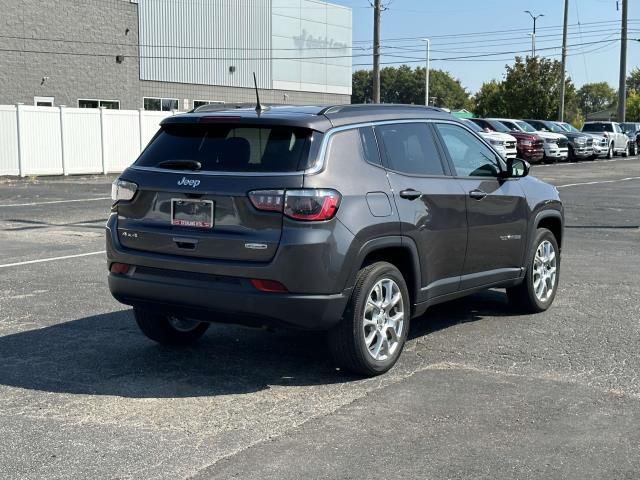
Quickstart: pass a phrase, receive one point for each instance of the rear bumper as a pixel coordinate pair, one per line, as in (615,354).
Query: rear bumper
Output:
(220,291)
(226,302)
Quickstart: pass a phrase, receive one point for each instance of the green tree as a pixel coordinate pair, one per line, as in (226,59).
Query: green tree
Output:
(406,85)
(593,97)
(444,90)
(397,85)
(633,80)
(531,89)
(362,88)
(490,100)
(633,106)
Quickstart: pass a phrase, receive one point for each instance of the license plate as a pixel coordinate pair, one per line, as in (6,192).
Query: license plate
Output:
(191,213)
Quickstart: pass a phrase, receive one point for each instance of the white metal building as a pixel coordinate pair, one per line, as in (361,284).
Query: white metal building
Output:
(175,54)
(299,45)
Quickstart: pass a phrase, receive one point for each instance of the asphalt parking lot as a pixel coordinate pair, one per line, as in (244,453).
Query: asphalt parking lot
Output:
(480,392)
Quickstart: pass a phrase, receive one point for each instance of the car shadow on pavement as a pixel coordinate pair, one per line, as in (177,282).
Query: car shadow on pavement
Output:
(107,355)
(490,303)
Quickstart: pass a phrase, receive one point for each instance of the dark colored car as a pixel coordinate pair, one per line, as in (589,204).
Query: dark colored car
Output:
(530,146)
(632,130)
(349,219)
(580,144)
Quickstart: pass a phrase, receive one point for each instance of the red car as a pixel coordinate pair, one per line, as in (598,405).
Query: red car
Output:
(530,146)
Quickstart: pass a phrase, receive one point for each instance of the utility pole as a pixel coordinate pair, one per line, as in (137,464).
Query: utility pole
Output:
(622,86)
(564,60)
(377,9)
(533,35)
(426,76)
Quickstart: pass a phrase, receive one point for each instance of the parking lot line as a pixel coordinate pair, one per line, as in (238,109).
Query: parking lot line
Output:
(34,204)
(52,259)
(598,182)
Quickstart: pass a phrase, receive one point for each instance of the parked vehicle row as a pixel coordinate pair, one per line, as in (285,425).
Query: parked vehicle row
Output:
(632,130)
(551,141)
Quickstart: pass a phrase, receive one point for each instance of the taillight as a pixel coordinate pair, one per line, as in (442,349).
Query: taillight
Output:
(123,190)
(267,200)
(311,205)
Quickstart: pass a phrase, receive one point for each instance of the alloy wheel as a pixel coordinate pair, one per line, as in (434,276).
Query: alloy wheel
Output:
(544,271)
(383,320)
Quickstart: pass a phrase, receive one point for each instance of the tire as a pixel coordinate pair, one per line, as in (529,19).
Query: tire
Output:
(626,150)
(168,330)
(347,343)
(610,152)
(572,156)
(523,297)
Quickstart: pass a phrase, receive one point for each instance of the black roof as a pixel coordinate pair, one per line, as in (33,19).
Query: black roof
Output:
(316,117)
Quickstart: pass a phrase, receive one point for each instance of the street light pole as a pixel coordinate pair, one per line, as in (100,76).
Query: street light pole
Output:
(533,36)
(622,86)
(564,60)
(426,79)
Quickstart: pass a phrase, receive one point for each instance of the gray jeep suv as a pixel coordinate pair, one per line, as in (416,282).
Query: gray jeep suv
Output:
(349,219)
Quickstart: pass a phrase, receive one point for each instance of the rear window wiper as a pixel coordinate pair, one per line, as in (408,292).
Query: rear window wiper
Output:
(180,164)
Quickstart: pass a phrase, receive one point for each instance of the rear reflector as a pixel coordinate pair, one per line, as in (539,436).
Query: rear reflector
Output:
(119,268)
(270,286)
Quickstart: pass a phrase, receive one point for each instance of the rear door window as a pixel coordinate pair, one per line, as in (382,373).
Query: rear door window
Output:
(410,148)
(231,148)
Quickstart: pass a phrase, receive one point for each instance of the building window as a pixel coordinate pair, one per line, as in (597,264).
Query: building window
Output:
(160,104)
(200,103)
(91,103)
(43,101)
(110,104)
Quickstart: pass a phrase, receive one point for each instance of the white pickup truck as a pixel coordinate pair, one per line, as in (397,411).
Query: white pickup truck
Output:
(616,139)
(556,145)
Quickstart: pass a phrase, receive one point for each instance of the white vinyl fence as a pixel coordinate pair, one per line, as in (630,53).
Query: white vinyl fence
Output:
(64,141)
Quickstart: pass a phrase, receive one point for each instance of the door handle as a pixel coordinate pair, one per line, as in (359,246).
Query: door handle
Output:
(477,194)
(410,194)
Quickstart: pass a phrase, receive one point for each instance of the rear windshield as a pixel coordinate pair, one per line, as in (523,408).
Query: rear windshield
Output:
(597,127)
(230,148)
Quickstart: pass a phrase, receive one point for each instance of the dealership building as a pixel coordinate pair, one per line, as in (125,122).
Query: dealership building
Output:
(173,54)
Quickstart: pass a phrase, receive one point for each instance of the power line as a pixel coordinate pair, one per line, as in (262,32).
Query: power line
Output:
(494,32)
(188,47)
(183,58)
(480,56)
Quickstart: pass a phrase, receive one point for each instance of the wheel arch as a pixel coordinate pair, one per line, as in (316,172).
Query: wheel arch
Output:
(397,250)
(551,220)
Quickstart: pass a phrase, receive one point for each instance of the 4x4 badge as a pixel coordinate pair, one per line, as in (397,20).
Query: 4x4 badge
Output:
(189,182)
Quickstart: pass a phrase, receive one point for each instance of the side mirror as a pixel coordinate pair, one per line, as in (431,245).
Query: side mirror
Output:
(516,168)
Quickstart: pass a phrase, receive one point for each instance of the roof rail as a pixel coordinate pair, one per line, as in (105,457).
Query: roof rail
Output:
(374,106)
(221,107)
